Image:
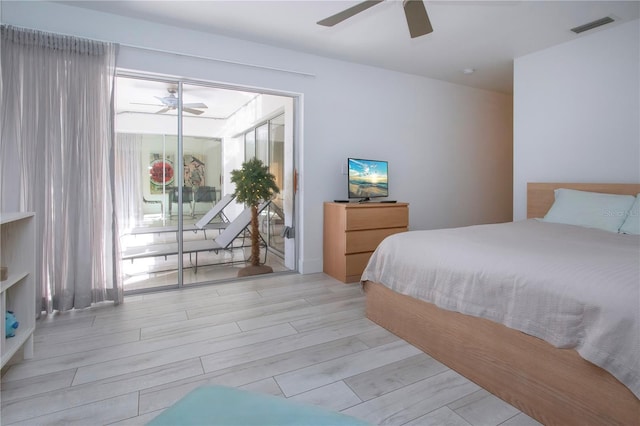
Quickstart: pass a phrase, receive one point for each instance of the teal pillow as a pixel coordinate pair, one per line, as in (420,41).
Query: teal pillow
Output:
(590,209)
(631,224)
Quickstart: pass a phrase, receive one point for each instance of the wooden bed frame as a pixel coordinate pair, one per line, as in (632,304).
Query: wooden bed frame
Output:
(554,386)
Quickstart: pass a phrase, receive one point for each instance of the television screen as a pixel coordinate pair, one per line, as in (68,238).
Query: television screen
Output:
(367,178)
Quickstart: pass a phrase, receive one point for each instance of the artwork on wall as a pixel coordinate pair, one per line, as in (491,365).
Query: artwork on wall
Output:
(161,172)
(194,168)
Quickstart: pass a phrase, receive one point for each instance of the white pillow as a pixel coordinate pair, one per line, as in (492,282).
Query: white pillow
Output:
(590,209)
(632,224)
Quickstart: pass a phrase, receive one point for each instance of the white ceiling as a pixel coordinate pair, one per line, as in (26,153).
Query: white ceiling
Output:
(483,35)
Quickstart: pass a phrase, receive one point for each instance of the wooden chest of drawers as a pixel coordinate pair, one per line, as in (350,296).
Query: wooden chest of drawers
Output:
(352,232)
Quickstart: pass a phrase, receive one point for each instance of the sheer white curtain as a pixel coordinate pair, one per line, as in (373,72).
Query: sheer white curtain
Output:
(56,159)
(128,166)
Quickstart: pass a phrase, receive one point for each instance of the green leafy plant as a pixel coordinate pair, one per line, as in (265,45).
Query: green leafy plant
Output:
(254,184)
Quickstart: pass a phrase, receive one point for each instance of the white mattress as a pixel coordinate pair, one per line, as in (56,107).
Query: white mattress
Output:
(574,287)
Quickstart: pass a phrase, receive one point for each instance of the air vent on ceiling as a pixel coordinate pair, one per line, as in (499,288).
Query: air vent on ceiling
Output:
(591,25)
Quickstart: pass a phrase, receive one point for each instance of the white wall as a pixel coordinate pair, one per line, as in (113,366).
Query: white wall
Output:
(449,147)
(577,112)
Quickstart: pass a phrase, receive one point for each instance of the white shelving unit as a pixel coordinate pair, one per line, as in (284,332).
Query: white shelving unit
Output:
(17,252)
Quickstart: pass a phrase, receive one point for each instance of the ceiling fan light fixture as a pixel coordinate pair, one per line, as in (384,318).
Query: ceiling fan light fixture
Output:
(170,103)
(468,71)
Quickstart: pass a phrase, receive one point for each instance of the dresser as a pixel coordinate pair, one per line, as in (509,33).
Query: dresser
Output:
(352,231)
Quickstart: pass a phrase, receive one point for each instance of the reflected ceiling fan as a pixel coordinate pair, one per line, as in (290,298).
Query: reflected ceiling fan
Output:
(170,102)
(414,10)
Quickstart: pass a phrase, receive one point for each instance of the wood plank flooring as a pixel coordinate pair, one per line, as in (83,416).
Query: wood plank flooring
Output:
(303,337)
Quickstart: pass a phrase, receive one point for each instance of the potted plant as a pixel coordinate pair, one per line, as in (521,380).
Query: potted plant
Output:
(254,184)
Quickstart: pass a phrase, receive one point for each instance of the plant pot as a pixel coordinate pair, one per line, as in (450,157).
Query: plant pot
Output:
(250,270)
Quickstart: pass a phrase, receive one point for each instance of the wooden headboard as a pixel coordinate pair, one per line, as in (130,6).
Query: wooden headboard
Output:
(540,195)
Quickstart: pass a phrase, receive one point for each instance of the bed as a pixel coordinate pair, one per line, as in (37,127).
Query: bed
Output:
(552,383)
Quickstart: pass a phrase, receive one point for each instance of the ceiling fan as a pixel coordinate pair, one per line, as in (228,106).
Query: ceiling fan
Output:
(414,10)
(170,102)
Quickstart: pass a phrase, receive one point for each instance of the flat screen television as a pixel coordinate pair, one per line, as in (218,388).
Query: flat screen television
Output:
(367,178)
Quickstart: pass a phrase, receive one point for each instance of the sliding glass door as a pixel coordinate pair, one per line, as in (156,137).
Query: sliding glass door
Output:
(146,173)
(177,144)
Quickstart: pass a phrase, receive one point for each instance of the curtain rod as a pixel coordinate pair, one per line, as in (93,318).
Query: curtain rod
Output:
(225,61)
(187,55)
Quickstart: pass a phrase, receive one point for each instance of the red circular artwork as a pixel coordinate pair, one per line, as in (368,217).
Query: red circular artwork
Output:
(161,171)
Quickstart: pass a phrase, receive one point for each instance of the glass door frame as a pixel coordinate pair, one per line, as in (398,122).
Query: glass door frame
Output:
(180,82)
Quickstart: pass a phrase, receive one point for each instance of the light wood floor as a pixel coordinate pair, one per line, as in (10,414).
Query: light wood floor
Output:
(303,337)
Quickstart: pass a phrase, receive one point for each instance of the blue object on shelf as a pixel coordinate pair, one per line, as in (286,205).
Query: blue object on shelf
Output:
(10,324)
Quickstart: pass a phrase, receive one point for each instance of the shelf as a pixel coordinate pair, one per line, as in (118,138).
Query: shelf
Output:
(11,280)
(17,253)
(13,344)
(14,216)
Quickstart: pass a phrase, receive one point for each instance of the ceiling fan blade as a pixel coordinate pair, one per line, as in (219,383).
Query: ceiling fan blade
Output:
(195,105)
(165,109)
(417,18)
(348,13)
(192,111)
(142,103)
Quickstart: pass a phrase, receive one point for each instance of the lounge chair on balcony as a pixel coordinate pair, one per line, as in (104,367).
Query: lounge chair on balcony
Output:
(223,241)
(203,224)
(217,210)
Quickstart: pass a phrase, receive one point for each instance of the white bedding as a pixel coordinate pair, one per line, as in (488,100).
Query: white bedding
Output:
(571,286)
